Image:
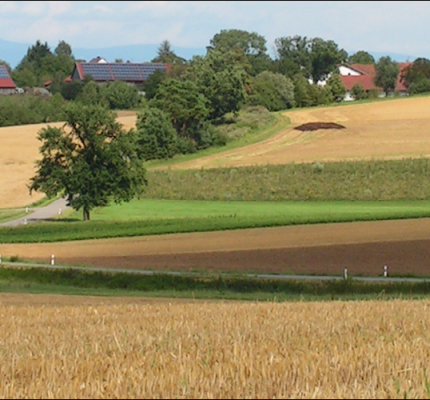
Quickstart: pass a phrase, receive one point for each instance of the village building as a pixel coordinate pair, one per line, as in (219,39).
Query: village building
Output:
(102,71)
(7,85)
(352,74)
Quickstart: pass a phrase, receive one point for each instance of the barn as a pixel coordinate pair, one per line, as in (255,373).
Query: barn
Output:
(102,72)
(352,74)
(7,85)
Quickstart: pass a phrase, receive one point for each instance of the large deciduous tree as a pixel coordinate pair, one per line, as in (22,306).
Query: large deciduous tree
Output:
(314,58)
(415,72)
(156,137)
(273,91)
(251,44)
(91,159)
(361,57)
(186,105)
(325,57)
(387,74)
(221,80)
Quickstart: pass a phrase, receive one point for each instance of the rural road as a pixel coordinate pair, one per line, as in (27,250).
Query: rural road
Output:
(226,275)
(39,214)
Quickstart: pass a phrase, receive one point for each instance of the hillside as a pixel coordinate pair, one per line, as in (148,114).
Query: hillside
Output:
(380,130)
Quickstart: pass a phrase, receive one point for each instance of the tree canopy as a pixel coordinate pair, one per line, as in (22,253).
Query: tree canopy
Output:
(387,73)
(253,46)
(417,71)
(361,57)
(221,80)
(92,160)
(314,58)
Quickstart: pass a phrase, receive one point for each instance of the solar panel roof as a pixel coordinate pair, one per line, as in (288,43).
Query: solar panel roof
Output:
(121,72)
(3,72)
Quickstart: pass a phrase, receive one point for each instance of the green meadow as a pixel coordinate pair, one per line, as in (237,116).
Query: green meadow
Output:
(152,217)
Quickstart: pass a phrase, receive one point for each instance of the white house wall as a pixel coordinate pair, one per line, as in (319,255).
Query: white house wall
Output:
(346,71)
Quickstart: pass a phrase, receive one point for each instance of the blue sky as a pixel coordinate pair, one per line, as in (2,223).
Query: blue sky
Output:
(377,26)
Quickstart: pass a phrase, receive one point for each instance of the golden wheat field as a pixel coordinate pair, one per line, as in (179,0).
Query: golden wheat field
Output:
(119,348)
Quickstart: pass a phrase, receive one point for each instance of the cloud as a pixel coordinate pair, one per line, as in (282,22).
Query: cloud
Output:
(391,26)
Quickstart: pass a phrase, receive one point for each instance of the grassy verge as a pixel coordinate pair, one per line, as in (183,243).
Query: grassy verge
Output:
(8,215)
(73,282)
(298,214)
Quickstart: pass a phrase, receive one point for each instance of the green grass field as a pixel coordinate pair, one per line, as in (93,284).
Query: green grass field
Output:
(142,218)
(289,212)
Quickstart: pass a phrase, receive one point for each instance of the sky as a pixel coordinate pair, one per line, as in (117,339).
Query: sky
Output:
(375,26)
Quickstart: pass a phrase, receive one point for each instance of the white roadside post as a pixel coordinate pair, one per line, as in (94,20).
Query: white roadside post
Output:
(0,258)
(53,259)
(385,271)
(345,273)
(25,221)
(27,210)
(60,211)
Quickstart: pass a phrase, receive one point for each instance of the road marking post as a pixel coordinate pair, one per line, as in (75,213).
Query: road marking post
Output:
(385,271)
(25,221)
(53,259)
(345,274)
(0,258)
(27,210)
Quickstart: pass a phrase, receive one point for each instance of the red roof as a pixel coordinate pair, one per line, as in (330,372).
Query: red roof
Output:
(7,84)
(364,69)
(5,81)
(365,80)
(368,74)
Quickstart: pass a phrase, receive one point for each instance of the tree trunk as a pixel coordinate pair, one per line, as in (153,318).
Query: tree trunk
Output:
(86,214)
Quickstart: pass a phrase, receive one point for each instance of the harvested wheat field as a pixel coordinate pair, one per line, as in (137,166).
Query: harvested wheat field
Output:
(142,349)
(383,130)
(19,150)
(362,247)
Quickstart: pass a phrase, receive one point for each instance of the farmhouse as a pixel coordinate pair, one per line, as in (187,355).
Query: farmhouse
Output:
(7,85)
(352,74)
(102,71)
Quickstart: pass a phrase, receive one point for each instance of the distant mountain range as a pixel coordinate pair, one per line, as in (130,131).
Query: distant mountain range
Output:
(13,53)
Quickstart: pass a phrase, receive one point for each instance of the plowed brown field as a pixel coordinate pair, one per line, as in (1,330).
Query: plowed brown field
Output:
(390,129)
(363,248)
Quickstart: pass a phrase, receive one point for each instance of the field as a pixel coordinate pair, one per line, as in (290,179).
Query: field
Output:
(64,347)
(384,130)
(390,129)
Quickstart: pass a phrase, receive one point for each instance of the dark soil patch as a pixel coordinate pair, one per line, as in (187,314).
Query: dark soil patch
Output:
(314,126)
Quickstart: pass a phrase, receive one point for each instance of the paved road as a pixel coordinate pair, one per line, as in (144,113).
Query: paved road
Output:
(39,214)
(196,274)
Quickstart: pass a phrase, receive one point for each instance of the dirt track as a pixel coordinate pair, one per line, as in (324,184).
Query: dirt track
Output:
(363,248)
